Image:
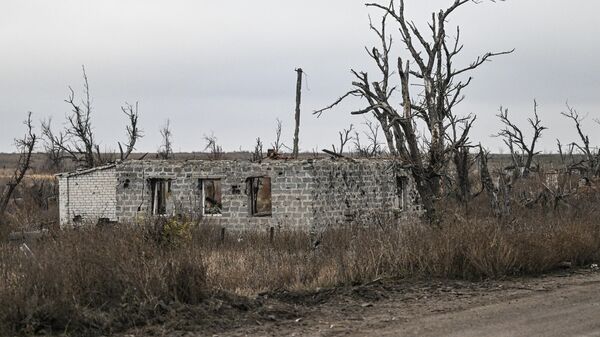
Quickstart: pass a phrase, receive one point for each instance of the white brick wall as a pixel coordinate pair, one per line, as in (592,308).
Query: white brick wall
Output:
(90,195)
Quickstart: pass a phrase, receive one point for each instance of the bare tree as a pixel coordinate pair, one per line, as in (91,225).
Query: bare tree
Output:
(463,162)
(373,147)
(441,89)
(257,155)
(53,146)
(590,163)
(80,126)
(278,144)
(25,146)
(521,150)
(345,137)
(499,195)
(567,156)
(461,156)
(165,150)
(133,131)
(215,150)
(77,141)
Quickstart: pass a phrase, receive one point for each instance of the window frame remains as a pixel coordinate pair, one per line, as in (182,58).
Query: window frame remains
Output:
(400,197)
(160,191)
(217,184)
(253,188)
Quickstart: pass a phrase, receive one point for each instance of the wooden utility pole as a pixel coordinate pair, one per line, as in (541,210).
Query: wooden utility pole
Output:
(298,100)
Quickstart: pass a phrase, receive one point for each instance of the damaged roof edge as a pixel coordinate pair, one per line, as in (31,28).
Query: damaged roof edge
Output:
(85,171)
(266,161)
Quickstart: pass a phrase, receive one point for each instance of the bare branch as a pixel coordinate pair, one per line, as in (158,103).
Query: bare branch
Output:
(25,146)
(513,137)
(345,137)
(278,144)
(165,151)
(133,131)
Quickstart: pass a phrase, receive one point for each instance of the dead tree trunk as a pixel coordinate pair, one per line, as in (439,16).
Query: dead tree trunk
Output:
(441,84)
(165,151)
(133,131)
(26,145)
(462,164)
(298,101)
(590,165)
(487,182)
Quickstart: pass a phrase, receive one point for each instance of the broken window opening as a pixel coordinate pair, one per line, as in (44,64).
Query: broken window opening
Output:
(161,189)
(211,197)
(259,189)
(401,191)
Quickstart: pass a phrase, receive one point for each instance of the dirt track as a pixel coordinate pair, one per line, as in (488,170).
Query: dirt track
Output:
(551,306)
(571,311)
(563,304)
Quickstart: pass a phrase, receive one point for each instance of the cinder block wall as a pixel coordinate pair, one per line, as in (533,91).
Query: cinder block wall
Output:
(291,196)
(89,195)
(359,191)
(305,195)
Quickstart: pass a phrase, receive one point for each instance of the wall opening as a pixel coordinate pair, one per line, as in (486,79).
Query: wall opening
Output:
(259,192)
(160,189)
(211,197)
(401,193)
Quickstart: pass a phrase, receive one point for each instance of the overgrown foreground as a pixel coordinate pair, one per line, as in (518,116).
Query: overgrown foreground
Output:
(99,281)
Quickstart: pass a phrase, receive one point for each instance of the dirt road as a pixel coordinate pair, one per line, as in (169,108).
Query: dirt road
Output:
(570,311)
(562,304)
(558,305)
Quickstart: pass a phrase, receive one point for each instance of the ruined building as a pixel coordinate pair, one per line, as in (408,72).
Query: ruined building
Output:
(239,195)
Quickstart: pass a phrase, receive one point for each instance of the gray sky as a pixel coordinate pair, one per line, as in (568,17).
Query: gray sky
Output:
(227,67)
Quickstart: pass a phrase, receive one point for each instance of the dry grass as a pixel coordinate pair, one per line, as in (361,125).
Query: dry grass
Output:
(104,280)
(100,280)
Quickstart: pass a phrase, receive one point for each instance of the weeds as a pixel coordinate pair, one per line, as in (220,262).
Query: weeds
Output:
(109,279)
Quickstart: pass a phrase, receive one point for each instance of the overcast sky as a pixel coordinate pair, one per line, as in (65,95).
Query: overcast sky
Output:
(227,67)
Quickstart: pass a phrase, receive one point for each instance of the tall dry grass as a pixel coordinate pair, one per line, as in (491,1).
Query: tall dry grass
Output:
(96,280)
(104,280)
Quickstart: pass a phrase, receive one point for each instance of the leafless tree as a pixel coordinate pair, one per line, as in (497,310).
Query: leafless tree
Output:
(461,156)
(25,147)
(590,163)
(165,150)
(498,195)
(522,151)
(373,147)
(345,137)
(441,89)
(278,144)
(80,126)
(257,155)
(53,146)
(567,155)
(463,162)
(77,141)
(215,150)
(133,131)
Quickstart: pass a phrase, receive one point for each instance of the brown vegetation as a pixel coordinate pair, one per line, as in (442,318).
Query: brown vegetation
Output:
(104,280)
